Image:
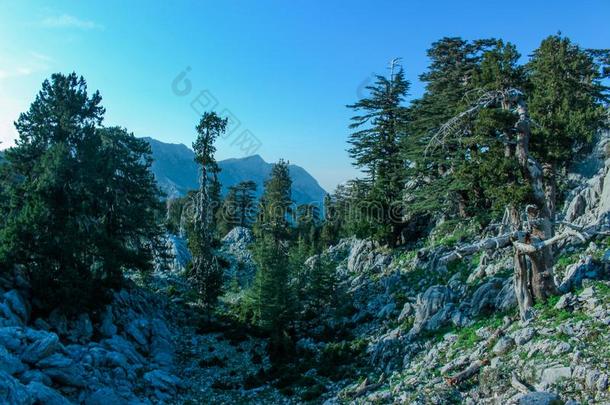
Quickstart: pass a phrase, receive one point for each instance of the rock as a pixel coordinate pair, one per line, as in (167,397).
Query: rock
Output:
(484,298)
(506,299)
(554,374)
(386,311)
(407,310)
(540,398)
(163,381)
(104,396)
(138,330)
(562,347)
(12,337)
(565,301)
(503,345)
(63,370)
(18,305)
(577,272)
(161,346)
(35,375)
(524,335)
(8,317)
(44,395)
(9,363)
(12,391)
(429,304)
(58,322)
(82,329)
(107,327)
(46,345)
(118,344)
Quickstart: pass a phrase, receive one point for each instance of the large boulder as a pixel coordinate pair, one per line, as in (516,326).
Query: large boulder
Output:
(540,398)
(433,309)
(484,298)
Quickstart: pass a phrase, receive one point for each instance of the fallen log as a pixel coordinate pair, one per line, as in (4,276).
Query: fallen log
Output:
(471,371)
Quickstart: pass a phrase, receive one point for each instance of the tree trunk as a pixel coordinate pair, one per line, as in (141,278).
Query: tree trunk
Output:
(533,273)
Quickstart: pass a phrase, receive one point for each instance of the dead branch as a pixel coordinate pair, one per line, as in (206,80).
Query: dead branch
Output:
(518,385)
(539,245)
(472,370)
(495,243)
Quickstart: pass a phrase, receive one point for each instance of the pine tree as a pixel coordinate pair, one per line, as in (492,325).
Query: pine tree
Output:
(375,148)
(82,204)
(269,304)
(245,203)
(206,274)
(566,101)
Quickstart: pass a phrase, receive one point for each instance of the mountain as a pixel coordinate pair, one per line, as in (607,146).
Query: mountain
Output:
(177,173)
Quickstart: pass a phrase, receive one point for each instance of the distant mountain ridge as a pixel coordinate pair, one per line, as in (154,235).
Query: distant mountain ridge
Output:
(177,173)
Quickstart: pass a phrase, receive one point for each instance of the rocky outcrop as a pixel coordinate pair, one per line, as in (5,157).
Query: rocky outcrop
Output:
(61,361)
(235,249)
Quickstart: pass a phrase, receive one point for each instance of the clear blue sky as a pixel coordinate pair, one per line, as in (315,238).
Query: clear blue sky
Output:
(285,69)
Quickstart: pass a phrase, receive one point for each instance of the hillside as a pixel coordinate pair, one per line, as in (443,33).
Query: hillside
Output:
(176,173)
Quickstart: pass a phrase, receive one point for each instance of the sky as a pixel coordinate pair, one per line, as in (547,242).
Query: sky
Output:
(282,71)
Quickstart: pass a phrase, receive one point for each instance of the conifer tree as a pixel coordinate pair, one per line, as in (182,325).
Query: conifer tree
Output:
(566,100)
(375,148)
(269,302)
(82,204)
(206,273)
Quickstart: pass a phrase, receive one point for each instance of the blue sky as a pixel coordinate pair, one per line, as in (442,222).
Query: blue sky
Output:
(284,69)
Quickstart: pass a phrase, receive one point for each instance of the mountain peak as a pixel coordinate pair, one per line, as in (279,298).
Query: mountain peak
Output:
(177,173)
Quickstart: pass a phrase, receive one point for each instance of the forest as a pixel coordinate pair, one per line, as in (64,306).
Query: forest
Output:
(477,168)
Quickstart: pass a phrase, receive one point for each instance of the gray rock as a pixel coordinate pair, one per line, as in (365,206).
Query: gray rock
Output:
(12,337)
(524,335)
(18,305)
(35,375)
(104,396)
(46,345)
(407,310)
(554,374)
(12,391)
(484,298)
(138,329)
(10,363)
(577,272)
(118,344)
(161,346)
(63,370)
(44,395)
(506,299)
(163,381)
(503,345)
(82,329)
(540,398)
(431,302)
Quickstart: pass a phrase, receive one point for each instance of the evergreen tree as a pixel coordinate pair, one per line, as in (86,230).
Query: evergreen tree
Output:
(245,203)
(206,274)
(81,202)
(566,101)
(268,303)
(375,148)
